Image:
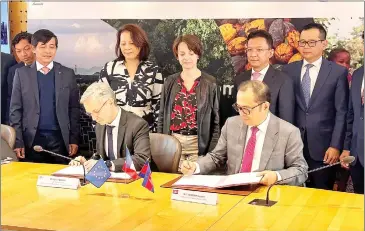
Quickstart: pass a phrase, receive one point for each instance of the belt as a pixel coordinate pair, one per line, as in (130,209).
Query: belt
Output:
(186,132)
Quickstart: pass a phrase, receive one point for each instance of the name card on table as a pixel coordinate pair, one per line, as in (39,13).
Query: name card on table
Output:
(194,196)
(58,182)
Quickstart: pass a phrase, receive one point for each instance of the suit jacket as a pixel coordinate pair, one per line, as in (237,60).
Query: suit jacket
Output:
(282,150)
(282,92)
(10,80)
(324,121)
(6,62)
(25,107)
(133,132)
(354,140)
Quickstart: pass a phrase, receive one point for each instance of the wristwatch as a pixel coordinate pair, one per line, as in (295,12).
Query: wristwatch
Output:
(108,163)
(95,156)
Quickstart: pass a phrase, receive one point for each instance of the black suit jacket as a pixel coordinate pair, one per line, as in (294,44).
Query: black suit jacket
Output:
(25,107)
(10,80)
(282,92)
(133,132)
(6,62)
(354,141)
(324,121)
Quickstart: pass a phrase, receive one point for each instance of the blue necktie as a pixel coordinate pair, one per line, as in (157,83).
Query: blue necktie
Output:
(109,130)
(306,84)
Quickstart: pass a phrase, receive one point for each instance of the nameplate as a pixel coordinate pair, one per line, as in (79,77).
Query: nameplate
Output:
(194,196)
(58,182)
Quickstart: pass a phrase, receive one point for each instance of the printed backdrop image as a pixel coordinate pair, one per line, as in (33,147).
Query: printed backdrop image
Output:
(5,46)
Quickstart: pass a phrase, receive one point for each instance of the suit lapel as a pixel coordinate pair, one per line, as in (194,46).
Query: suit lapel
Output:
(34,82)
(121,133)
(270,140)
(324,72)
(241,143)
(298,86)
(269,77)
(58,80)
(101,134)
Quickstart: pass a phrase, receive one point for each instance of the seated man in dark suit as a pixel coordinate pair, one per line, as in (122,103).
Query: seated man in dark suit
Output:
(23,48)
(115,129)
(7,61)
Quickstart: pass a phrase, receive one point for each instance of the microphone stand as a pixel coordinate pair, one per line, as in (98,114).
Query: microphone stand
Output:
(269,203)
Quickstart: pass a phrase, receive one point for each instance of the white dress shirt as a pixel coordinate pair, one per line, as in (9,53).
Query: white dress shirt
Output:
(262,72)
(114,123)
(313,72)
(40,66)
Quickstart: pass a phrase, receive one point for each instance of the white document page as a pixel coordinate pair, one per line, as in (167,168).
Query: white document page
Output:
(199,180)
(78,171)
(239,179)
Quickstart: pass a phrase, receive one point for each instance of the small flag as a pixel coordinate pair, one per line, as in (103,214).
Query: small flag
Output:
(128,166)
(98,174)
(147,179)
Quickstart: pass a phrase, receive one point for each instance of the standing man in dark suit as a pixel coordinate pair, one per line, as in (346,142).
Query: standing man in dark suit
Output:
(44,106)
(6,62)
(259,51)
(23,48)
(321,89)
(115,129)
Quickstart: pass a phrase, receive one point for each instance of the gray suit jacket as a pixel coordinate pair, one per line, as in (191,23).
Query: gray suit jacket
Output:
(282,150)
(25,107)
(133,131)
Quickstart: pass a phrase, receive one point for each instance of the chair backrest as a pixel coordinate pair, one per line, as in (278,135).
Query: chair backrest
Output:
(8,134)
(166,152)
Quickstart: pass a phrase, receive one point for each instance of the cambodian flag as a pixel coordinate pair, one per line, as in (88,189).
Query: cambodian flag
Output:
(128,166)
(146,173)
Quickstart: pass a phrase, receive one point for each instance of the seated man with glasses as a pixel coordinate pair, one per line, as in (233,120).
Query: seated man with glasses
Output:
(115,130)
(256,141)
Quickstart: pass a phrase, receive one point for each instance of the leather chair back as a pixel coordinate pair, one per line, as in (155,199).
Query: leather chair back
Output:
(8,134)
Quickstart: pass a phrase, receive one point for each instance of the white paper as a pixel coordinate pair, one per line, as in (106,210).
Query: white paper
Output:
(214,181)
(78,171)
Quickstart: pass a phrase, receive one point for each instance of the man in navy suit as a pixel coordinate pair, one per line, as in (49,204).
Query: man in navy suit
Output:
(259,51)
(23,48)
(7,61)
(322,93)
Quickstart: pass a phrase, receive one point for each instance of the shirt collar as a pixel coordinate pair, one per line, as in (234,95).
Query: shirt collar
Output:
(40,66)
(263,126)
(316,63)
(262,72)
(115,122)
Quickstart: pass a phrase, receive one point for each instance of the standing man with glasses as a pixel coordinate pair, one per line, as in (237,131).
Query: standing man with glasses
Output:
(44,105)
(255,141)
(322,92)
(259,51)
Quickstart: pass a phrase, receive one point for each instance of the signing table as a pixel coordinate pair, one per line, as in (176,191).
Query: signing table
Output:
(25,206)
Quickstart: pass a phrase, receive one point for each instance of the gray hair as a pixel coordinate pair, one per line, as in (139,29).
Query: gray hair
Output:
(260,89)
(100,91)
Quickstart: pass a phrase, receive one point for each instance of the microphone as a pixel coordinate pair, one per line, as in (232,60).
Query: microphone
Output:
(39,148)
(268,203)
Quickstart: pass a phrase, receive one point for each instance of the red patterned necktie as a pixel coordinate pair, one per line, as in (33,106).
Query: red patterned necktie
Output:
(249,152)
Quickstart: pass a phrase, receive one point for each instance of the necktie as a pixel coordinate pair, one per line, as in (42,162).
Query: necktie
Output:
(306,84)
(249,152)
(109,130)
(45,70)
(256,75)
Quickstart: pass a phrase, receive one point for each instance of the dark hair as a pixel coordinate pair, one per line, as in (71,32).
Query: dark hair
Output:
(43,36)
(139,38)
(332,55)
(322,31)
(22,35)
(259,88)
(262,34)
(192,41)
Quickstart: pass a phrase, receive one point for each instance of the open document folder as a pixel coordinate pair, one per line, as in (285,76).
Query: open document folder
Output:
(219,181)
(78,171)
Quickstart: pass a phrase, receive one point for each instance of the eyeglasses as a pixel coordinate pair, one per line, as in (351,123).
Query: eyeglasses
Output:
(96,112)
(311,43)
(259,51)
(244,110)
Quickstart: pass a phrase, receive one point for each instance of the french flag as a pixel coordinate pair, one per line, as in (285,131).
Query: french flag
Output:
(128,166)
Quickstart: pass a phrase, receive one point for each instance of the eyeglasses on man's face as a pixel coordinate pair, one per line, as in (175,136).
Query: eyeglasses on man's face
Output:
(311,43)
(243,109)
(95,112)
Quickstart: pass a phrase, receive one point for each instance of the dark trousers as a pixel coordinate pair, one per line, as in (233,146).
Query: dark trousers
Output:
(323,179)
(357,176)
(51,141)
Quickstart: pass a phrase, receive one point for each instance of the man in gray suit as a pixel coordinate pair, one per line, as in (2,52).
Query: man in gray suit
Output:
(44,105)
(115,129)
(256,141)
